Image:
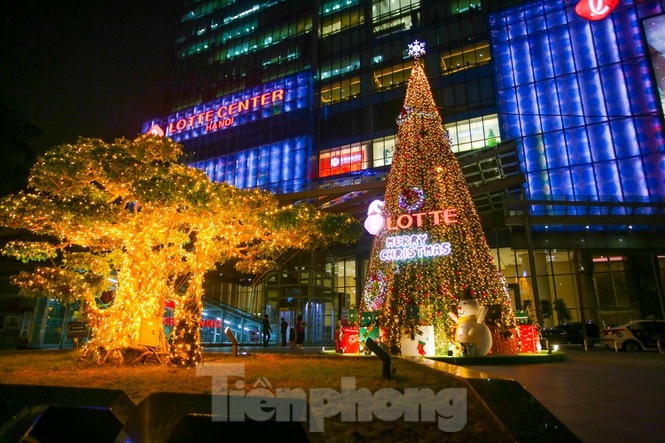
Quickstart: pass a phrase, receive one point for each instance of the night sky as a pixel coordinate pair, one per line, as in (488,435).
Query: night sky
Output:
(85,68)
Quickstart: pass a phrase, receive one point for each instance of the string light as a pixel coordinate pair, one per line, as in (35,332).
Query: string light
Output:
(425,177)
(126,220)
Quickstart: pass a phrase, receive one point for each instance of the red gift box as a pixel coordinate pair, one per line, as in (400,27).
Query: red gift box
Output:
(348,341)
(502,343)
(528,338)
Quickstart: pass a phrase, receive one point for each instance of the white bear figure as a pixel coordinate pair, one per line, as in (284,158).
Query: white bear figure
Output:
(374,221)
(471,328)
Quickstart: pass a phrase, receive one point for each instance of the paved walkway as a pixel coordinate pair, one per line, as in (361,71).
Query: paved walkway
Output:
(600,395)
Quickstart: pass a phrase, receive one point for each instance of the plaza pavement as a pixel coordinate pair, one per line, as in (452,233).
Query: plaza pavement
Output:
(600,395)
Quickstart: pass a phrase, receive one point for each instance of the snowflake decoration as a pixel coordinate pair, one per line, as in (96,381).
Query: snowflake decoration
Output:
(417,49)
(404,115)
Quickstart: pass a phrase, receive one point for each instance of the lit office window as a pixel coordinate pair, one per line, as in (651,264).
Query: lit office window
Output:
(460,6)
(340,91)
(202,8)
(382,9)
(330,7)
(383,149)
(279,54)
(474,133)
(392,76)
(402,23)
(339,22)
(247,40)
(394,15)
(194,49)
(345,283)
(340,67)
(466,57)
(612,282)
(465,135)
(239,31)
(242,14)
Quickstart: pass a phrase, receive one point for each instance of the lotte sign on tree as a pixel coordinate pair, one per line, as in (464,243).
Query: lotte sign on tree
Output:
(429,247)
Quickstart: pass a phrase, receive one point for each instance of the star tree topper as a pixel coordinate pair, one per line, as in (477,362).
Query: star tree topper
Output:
(417,49)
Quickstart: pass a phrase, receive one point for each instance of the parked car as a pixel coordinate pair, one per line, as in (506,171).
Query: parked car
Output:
(636,335)
(571,333)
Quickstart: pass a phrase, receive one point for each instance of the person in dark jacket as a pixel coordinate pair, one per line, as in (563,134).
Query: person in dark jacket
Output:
(283,326)
(266,330)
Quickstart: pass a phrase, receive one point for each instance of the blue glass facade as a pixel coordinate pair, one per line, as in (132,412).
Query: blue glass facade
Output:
(279,167)
(581,99)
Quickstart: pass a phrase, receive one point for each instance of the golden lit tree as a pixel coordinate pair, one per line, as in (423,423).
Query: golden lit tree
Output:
(431,248)
(125,219)
(526,296)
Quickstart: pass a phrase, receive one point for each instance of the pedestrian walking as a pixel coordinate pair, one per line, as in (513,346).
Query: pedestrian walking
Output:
(292,337)
(282,330)
(300,332)
(266,330)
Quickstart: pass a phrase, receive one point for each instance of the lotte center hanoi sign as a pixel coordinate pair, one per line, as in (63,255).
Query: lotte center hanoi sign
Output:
(264,101)
(408,246)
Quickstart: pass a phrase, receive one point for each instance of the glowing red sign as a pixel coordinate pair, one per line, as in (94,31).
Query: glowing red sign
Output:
(224,116)
(341,163)
(204,323)
(405,221)
(596,9)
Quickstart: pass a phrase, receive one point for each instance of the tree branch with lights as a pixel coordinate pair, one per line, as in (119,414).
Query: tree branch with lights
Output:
(126,218)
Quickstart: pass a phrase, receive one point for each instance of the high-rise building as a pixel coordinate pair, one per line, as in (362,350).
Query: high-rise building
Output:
(553,107)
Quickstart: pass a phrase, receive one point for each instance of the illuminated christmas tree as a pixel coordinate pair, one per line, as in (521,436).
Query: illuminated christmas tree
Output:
(431,248)
(125,228)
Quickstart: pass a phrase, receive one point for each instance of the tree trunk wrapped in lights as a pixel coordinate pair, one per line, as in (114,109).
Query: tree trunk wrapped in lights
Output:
(431,248)
(185,349)
(125,228)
